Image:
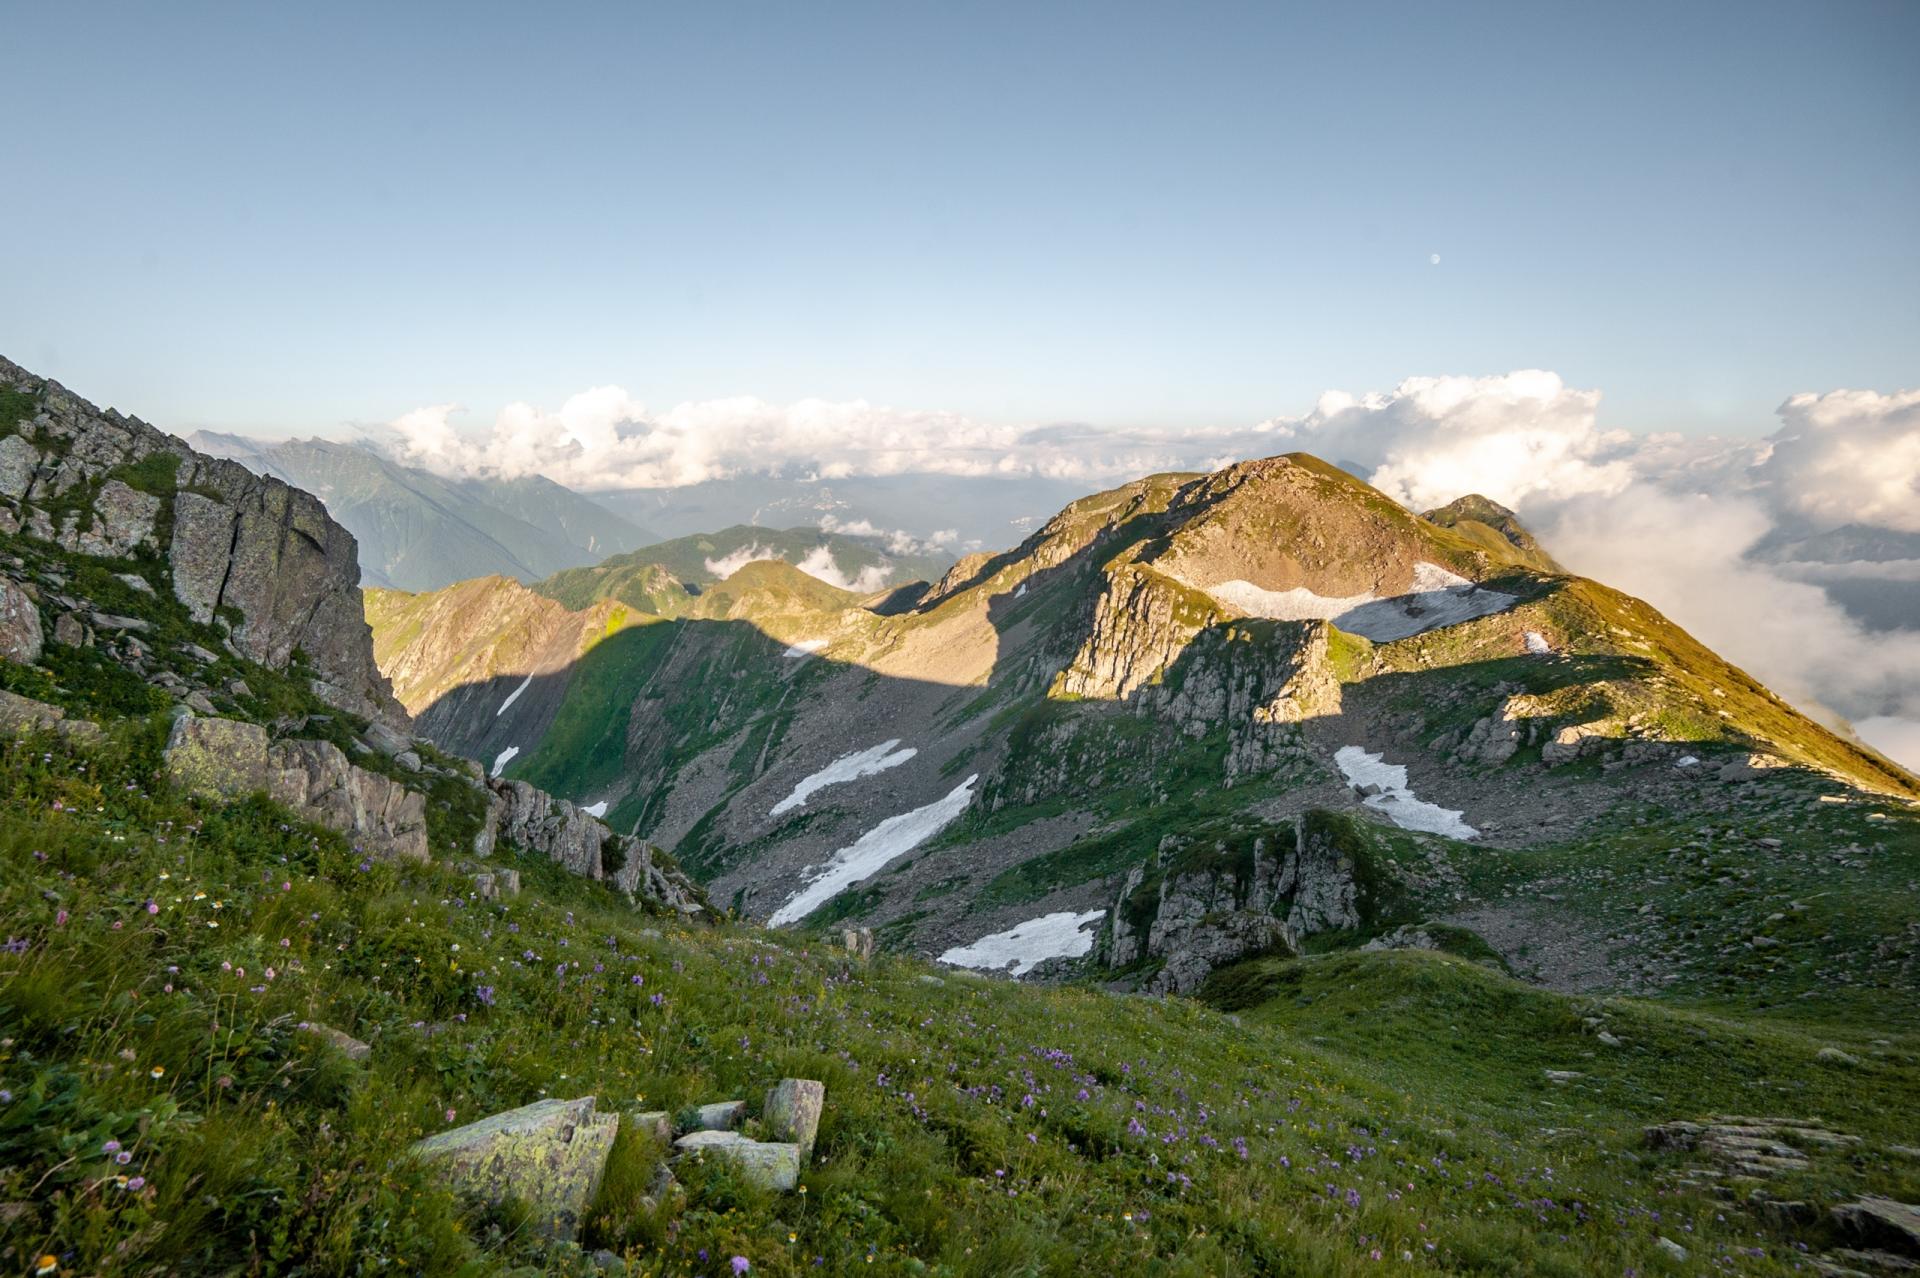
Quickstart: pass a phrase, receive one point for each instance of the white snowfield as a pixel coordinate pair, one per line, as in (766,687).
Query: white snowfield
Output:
(805,648)
(596,809)
(867,856)
(502,759)
(1538,645)
(1438,598)
(1027,945)
(513,696)
(848,767)
(1394,799)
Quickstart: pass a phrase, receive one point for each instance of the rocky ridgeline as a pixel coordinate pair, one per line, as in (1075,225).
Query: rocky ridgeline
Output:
(251,554)
(227,758)
(1205,902)
(259,566)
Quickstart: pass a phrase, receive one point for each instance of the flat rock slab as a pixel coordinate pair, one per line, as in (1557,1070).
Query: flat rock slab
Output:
(550,1155)
(769,1164)
(1882,1222)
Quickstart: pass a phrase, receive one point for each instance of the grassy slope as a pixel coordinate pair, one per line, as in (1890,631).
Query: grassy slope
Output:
(1391,1103)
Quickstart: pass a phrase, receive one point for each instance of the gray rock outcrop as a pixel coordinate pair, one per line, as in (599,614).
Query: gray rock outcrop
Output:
(227,758)
(550,1155)
(564,833)
(243,550)
(1204,902)
(21,635)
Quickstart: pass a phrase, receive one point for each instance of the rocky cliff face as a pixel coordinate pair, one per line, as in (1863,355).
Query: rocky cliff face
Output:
(250,554)
(1222,895)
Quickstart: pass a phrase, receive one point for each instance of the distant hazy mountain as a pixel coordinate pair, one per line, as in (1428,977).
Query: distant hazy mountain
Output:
(979,512)
(420,531)
(1873,573)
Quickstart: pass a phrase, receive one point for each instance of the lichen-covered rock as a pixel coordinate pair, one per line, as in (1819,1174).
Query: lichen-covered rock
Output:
(1882,1222)
(550,1155)
(23,714)
(496,884)
(217,758)
(21,636)
(226,758)
(1224,939)
(792,1112)
(772,1165)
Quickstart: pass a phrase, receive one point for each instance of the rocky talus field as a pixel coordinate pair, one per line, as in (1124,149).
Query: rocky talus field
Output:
(1244,875)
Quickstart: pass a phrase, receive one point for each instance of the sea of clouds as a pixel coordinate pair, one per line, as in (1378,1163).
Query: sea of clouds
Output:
(1672,519)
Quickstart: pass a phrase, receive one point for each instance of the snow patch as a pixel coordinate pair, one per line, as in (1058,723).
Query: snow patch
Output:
(1026,945)
(1687,761)
(805,648)
(1438,598)
(1538,645)
(895,836)
(848,767)
(596,809)
(502,759)
(513,696)
(1395,799)
(1022,592)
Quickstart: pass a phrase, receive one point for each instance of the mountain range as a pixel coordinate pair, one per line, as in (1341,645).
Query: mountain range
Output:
(417,530)
(1182,660)
(1375,893)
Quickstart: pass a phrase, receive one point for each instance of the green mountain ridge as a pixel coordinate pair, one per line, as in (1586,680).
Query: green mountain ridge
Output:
(1657,1017)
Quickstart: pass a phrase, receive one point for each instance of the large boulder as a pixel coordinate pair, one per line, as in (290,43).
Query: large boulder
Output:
(792,1112)
(18,462)
(1882,1222)
(550,1155)
(217,758)
(21,636)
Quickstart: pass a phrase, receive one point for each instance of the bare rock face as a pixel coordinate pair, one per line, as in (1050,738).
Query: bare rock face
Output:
(20,633)
(550,1155)
(382,816)
(564,833)
(1217,898)
(226,758)
(239,546)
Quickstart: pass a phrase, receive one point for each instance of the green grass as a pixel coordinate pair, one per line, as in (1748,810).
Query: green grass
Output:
(1412,1081)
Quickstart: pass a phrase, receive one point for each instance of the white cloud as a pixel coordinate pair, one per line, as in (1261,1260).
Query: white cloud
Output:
(819,564)
(728,564)
(1847,457)
(1432,439)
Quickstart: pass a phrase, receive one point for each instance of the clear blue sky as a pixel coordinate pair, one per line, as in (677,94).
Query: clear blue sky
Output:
(284,217)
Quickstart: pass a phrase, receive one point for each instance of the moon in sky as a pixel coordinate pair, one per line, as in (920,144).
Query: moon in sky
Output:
(1435,259)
